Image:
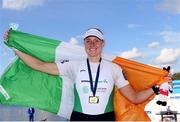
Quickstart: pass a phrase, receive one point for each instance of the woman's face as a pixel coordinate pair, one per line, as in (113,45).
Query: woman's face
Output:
(93,46)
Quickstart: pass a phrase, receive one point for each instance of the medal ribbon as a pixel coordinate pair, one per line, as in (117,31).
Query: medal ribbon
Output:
(93,89)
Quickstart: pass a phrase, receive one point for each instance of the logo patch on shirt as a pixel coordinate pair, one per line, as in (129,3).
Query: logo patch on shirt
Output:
(85,89)
(82,70)
(63,61)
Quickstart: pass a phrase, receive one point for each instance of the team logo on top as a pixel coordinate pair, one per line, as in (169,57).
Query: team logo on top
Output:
(85,89)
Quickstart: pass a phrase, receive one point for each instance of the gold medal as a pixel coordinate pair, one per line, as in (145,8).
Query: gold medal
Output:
(93,99)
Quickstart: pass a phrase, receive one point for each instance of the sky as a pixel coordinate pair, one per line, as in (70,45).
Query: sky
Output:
(147,31)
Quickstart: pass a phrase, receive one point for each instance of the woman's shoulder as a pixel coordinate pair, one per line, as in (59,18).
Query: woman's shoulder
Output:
(112,64)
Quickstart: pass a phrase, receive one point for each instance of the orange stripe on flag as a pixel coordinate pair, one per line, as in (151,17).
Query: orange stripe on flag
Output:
(140,76)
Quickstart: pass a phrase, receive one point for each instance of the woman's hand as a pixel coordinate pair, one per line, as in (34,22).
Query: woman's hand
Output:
(6,36)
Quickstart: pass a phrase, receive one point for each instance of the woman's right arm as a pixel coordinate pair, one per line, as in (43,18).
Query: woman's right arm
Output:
(50,68)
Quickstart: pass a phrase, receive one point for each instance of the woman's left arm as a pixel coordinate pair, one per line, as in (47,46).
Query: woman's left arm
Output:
(136,97)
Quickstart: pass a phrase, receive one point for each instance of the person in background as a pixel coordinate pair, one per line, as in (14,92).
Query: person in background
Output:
(31,112)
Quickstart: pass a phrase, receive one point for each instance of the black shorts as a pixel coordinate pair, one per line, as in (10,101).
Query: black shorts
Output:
(77,116)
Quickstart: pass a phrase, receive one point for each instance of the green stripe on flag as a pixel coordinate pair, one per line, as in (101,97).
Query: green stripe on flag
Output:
(26,86)
(36,46)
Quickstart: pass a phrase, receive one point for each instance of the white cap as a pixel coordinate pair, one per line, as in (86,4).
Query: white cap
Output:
(94,32)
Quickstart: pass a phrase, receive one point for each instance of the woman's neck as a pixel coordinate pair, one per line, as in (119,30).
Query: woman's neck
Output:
(94,59)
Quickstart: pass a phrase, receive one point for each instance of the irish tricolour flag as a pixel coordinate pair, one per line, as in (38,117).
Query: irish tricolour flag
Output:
(21,85)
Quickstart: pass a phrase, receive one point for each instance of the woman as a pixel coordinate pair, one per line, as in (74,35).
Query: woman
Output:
(94,80)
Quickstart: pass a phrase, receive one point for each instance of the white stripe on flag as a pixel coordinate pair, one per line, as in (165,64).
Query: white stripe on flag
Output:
(108,57)
(67,98)
(66,51)
(4,93)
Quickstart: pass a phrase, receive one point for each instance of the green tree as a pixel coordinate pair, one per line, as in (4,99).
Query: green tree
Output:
(176,76)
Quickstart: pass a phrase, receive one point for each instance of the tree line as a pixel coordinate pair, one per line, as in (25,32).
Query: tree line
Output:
(176,76)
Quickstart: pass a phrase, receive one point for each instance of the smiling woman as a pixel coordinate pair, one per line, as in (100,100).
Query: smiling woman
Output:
(93,98)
